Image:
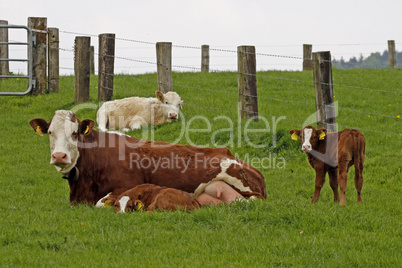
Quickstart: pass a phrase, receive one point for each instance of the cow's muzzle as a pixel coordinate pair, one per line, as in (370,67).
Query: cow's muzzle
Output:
(60,159)
(173,116)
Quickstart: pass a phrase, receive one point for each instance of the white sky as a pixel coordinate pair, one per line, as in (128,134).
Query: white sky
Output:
(346,28)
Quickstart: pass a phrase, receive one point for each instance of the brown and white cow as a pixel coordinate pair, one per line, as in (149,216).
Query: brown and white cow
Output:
(150,197)
(137,112)
(97,163)
(333,153)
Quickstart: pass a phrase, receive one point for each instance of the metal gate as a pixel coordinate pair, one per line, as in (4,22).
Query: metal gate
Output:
(29,76)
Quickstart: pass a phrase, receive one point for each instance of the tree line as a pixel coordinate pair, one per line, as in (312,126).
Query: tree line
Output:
(376,60)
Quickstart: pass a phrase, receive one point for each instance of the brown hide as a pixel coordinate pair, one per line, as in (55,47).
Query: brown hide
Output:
(334,155)
(173,199)
(110,162)
(153,197)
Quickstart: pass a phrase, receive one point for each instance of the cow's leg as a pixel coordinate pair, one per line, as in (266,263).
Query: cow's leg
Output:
(333,182)
(342,180)
(359,181)
(137,122)
(205,199)
(319,182)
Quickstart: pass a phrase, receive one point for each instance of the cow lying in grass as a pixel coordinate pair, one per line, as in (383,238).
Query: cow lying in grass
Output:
(151,197)
(136,112)
(97,163)
(333,153)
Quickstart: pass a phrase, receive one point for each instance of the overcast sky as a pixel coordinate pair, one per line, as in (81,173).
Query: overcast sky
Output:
(346,28)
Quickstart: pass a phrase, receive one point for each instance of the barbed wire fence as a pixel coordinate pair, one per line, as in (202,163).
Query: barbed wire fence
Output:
(181,67)
(191,68)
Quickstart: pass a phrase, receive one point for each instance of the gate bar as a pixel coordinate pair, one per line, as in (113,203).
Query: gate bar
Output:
(31,80)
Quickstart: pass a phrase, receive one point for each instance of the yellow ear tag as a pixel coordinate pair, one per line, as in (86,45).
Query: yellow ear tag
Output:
(295,136)
(39,131)
(86,131)
(107,204)
(140,206)
(322,135)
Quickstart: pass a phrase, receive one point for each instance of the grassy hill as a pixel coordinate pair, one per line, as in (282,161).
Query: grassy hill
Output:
(39,228)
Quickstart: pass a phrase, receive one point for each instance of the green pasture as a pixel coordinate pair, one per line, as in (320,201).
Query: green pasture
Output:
(39,228)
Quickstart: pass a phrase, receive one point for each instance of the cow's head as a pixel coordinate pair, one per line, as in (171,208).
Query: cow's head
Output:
(126,204)
(309,137)
(64,132)
(172,103)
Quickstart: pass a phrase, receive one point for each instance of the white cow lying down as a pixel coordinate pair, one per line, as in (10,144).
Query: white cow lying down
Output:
(136,112)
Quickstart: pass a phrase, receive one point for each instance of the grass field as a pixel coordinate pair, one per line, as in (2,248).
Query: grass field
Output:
(39,228)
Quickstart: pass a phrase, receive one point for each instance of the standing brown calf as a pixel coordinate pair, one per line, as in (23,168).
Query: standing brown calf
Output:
(333,153)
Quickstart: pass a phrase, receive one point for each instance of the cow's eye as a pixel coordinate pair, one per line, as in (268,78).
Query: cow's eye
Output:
(74,135)
(166,102)
(49,132)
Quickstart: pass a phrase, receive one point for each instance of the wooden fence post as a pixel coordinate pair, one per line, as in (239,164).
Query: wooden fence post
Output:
(53,65)
(92,66)
(391,53)
(39,57)
(81,68)
(307,62)
(4,65)
(164,66)
(106,66)
(324,93)
(205,58)
(247,82)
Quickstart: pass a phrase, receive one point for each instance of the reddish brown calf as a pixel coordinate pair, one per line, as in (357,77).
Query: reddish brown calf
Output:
(333,153)
(152,197)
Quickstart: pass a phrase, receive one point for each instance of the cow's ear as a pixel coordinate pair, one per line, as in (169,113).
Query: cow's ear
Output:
(138,205)
(86,126)
(39,125)
(159,95)
(322,132)
(181,104)
(295,134)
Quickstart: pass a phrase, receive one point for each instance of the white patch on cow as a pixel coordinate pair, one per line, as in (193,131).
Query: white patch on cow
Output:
(223,176)
(117,133)
(123,203)
(101,204)
(60,132)
(307,136)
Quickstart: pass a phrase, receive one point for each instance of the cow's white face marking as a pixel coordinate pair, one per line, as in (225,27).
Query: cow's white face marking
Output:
(61,139)
(171,105)
(101,204)
(224,176)
(123,203)
(306,146)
